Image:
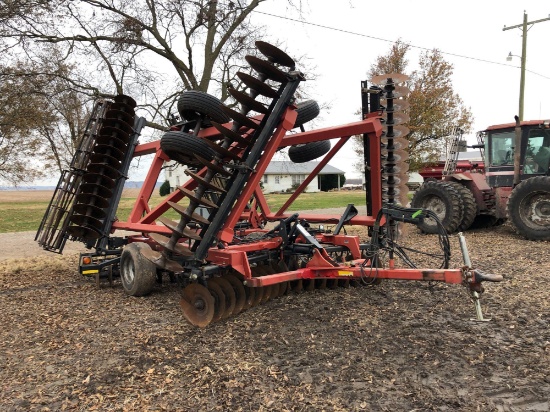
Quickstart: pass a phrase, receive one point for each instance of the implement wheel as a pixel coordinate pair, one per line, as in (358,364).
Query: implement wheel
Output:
(443,200)
(194,104)
(138,274)
(302,153)
(529,208)
(182,147)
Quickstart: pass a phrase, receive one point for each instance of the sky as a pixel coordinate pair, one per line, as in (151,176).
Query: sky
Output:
(343,55)
(341,39)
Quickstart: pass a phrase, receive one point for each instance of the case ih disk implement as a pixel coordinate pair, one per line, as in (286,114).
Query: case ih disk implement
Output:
(228,261)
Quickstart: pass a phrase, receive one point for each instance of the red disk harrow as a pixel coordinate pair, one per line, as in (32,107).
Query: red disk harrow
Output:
(241,253)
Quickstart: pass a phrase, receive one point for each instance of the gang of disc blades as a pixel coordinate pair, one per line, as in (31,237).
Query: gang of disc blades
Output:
(113,141)
(398,104)
(83,232)
(200,200)
(120,115)
(87,221)
(96,189)
(397,131)
(240,292)
(222,151)
(173,226)
(219,300)
(229,292)
(160,260)
(209,184)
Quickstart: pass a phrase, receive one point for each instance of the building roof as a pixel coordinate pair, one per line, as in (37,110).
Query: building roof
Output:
(291,168)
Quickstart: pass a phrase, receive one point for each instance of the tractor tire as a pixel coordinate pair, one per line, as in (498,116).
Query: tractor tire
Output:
(529,208)
(194,104)
(469,205)
(442,199)
(307,111)
(302,153)
(138,274)
(182,147)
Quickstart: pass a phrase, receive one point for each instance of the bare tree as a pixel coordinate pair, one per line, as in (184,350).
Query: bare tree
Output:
(435,107)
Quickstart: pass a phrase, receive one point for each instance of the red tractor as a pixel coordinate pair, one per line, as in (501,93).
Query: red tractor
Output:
(508,183)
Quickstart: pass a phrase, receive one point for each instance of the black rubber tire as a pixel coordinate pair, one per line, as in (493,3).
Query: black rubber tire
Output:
(469,205)
(194,104)
(529,208)
(138,274)
(182,147)
(302,153)
(442,199)
(307,111)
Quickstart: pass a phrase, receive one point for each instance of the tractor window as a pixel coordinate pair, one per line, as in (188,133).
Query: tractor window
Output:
(502,149)
(537,154)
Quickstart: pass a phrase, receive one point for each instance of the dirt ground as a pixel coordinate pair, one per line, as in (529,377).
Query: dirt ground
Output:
(396,346)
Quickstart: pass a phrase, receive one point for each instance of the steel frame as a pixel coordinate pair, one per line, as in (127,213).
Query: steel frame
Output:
(142,218)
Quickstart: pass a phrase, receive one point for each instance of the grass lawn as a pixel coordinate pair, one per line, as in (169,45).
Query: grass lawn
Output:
(23,211)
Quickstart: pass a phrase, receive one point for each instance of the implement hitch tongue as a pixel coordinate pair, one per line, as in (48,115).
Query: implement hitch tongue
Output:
(473,279)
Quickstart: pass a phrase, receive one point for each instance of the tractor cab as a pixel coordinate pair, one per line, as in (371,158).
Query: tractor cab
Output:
(499,147)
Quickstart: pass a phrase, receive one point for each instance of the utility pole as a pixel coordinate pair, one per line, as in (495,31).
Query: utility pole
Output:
(523,55)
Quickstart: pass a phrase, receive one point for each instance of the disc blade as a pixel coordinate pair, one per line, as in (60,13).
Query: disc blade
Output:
(267,69)
(198,305)
(127,100)
(173,226)
(229,293)
(200,200)
(182,210)
(396,131)
(240,293)
(275,55)
(160,260)
(222,151)
(257,85)
(230,134)
(240,118)
(398,104)
(396,119)
(219,300)
(248,102)
(383,79)
(164,242)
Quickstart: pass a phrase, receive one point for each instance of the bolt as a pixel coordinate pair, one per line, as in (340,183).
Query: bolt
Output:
(193,276)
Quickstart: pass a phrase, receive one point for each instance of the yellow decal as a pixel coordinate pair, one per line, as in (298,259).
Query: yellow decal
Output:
(342,273)
(89,272)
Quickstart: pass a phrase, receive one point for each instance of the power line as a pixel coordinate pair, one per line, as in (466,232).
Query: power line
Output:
(393,41)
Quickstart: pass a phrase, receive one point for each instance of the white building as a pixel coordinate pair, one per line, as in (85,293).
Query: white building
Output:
(278,177)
